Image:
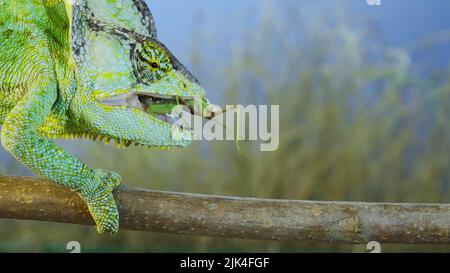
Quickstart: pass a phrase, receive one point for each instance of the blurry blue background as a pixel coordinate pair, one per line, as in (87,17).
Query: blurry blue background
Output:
(403,23)
(364,93)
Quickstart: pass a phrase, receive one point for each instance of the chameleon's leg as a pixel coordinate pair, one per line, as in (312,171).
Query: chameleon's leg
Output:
(20,137)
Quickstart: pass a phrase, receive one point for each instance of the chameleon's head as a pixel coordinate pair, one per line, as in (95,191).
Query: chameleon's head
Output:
(133,84)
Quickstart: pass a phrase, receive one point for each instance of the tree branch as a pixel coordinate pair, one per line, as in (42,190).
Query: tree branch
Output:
(231,217)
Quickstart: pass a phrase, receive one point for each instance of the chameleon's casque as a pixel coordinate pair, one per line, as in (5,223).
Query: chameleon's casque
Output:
(87,68)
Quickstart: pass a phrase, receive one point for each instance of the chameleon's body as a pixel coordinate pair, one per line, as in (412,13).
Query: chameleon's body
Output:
(93,68)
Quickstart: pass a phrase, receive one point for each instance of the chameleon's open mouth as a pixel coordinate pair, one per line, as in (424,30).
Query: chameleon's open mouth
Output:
(162,106)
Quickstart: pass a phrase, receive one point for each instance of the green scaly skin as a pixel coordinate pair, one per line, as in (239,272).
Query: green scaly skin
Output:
(94,68)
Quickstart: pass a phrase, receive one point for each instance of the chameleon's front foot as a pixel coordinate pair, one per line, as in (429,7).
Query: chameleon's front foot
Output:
(100,200)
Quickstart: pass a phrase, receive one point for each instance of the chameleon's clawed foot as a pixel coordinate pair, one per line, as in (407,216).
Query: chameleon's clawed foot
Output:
(112,179)
(101,203)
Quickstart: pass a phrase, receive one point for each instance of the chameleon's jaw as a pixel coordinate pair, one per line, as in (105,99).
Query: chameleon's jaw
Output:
(157,105)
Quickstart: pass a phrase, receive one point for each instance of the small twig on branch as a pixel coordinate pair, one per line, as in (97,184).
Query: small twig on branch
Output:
(246,218)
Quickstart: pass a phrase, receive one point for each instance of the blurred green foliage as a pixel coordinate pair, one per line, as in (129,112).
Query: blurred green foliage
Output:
(357,124)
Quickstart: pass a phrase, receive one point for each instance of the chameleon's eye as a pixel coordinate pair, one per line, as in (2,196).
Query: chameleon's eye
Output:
(151,63)
(154,65)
